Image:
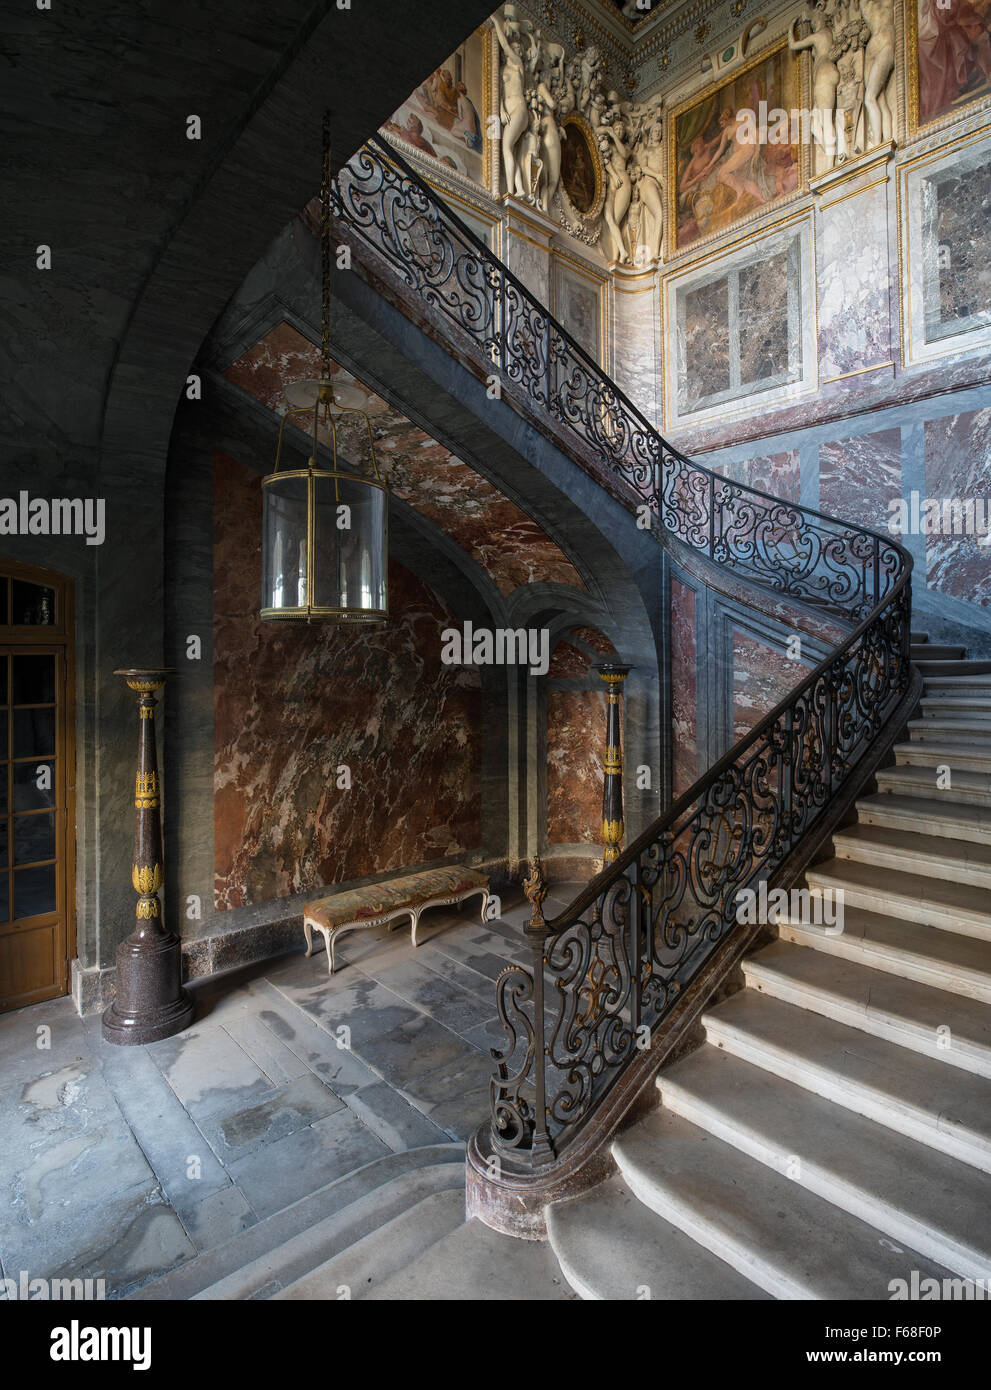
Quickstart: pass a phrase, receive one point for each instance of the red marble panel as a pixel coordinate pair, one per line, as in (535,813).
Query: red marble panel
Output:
(293,703)
(576,730)
(491,528)
(762,677)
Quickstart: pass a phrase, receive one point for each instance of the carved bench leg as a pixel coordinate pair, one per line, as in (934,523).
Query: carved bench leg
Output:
(308,933)
(414,914)
(485,902)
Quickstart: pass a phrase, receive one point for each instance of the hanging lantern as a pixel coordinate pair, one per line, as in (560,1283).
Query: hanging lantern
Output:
(325,552)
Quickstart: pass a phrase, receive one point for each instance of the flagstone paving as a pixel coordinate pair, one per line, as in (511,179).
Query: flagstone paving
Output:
(121,1163)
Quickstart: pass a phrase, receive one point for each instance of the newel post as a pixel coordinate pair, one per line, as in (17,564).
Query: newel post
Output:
(541,1149)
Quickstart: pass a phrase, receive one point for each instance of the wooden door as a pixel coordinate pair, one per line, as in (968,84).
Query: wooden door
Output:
(36,788)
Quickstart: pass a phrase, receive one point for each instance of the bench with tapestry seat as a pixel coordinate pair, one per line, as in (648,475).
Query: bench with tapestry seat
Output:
(382,902)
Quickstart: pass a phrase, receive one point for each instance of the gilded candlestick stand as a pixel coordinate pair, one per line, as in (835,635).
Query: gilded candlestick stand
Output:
(614,676)
(150,1002)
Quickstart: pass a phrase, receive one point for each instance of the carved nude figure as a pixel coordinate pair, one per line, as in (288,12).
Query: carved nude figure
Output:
(619,186)
(646,172)
(879,65)
(514,110)
(825,80)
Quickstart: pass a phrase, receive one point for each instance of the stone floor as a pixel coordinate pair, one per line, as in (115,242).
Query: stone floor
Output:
(122,1163)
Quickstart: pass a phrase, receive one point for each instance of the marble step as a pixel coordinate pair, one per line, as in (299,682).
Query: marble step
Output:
(910,851)
(916,637)
(943,959)
(953,668)
(610,1246)
(916,1196)
(258,1242)
(969,730)
(909,780)
(312,1248)
(956,686)
(353,1272)
(955,756)
(937,1023)
(952,907)
(956,706)
(933,651)
(940,1106)
(941,815)
(475,1263)
(785,1239)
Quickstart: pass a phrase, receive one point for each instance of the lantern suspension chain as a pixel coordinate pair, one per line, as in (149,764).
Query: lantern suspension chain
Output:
(325,248)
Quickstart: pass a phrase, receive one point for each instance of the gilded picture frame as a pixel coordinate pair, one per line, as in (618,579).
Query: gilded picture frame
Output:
(713,184)
(934,91)
(581,160)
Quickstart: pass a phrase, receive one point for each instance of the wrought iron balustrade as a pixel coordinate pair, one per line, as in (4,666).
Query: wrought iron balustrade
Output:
(607,969)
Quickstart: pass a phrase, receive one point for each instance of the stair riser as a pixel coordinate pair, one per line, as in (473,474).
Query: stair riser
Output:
(966,1057)
(953,668)
(918,754)
(925,825)
(968,984)
(866,1206)
(912,909)
(931,651)
(968,734)
(961,707)
(977,689)
(739,1255)
(822,1082)
(957,871)
(967,796)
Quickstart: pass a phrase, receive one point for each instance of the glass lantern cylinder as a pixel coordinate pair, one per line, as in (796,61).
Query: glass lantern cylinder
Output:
(325,542)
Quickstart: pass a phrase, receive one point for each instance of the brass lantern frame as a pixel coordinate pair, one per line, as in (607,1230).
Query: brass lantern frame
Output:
(326,411)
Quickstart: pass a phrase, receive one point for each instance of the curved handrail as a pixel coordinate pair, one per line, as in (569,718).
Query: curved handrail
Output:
(607,969)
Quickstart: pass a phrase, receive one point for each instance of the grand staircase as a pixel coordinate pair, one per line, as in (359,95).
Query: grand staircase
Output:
(833,1134)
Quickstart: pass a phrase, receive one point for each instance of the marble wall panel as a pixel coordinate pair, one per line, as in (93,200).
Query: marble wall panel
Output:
(762,677)
(958,466)
(683,688)
(292,703)
(491,528)
(778,474)
(576,729)
(859,476)
(853,273)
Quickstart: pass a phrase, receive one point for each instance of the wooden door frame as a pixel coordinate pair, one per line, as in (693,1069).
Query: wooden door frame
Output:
(59,634)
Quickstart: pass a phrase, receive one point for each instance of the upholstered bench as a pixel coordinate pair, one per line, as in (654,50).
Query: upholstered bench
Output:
(382,902)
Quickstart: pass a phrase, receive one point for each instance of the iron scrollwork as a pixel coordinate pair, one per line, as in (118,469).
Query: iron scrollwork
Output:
(606,971)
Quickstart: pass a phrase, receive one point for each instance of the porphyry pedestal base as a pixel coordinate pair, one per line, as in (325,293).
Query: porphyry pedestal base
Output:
(151,1003)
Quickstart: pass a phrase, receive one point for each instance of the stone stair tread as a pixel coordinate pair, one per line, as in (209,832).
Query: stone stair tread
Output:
(981,728)
(913,1193)
(908,894)
(917,809)
(938,651)
(910,775)
(970,704)
(258,1241)
(475,1262)
(981,679)
(913,845)
(917,637)
(946,959)
(380,1253)
(953,668)
(942,1106)
(610,1246)
(956,756)
(295,1258)
(789,1241)
(903,1010)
